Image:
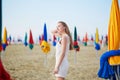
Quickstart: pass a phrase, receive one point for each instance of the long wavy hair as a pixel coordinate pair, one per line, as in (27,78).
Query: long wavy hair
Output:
(68,33)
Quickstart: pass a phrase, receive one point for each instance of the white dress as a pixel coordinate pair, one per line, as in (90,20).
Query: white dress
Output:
(63,69)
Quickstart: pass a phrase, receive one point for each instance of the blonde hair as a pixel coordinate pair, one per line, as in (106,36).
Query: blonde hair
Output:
(68,33)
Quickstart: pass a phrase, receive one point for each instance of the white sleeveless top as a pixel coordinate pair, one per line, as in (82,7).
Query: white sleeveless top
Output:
(63,69)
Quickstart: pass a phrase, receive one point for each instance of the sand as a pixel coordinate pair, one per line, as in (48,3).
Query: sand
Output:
(25,64)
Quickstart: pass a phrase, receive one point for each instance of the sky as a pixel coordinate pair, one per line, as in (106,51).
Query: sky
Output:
(19,16)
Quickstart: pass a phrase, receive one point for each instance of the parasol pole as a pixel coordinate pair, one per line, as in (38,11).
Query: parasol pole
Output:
(0,26)
(45,60)
(97,54)
(117,73)
(75,58)
(96,51)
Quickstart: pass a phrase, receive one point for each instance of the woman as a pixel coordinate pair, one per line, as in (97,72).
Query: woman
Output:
(62,48)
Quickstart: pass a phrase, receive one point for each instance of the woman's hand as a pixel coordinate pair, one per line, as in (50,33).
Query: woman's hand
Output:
(55,70)
(54,31)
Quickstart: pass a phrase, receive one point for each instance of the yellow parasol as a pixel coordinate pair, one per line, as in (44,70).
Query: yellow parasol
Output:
(5,36)
(96,36)
(4,42)
(114,32)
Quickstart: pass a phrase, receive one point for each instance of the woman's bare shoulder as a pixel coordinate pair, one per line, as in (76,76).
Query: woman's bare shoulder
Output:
(65,37)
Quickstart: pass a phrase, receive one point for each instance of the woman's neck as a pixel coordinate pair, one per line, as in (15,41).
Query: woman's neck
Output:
(63,33)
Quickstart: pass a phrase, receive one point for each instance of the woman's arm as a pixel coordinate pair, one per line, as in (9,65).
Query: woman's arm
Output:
(64,44)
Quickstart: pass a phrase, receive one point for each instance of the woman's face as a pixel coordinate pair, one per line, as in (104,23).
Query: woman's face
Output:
(60,28)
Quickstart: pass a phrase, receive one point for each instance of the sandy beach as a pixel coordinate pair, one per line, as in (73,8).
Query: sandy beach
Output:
(25,64)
